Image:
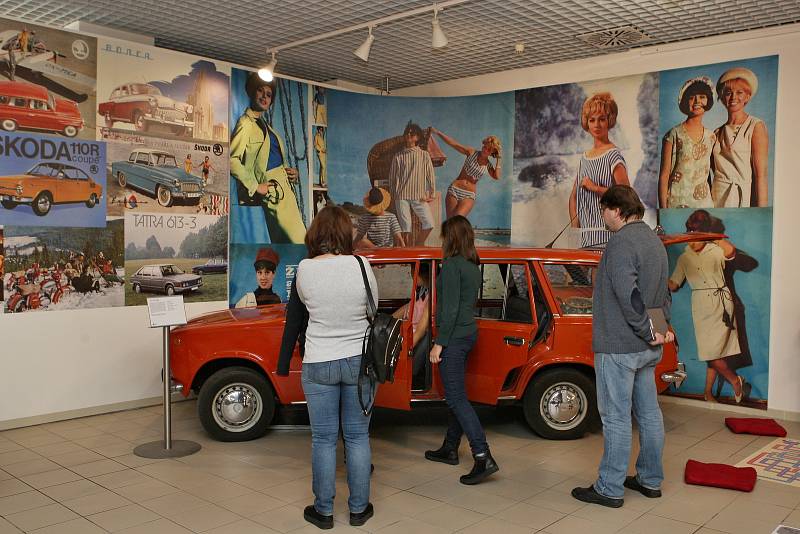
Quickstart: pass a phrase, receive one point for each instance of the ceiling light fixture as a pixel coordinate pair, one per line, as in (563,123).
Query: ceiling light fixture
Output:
(268,73)
(362,52)
(438,38)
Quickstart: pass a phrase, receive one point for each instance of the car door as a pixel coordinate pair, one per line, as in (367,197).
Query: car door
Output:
(506,327)
(72,189)
(395,288)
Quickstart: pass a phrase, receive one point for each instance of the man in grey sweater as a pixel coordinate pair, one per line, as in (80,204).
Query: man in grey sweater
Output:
(631,278)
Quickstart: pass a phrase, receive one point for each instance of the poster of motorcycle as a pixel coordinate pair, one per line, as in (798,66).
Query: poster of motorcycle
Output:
(49,181)
(153,175)
(49,269)
(174,254)
(161,93)
(47,80)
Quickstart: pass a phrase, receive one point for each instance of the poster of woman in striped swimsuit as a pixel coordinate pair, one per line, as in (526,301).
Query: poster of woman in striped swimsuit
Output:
(601,167)
(462,192)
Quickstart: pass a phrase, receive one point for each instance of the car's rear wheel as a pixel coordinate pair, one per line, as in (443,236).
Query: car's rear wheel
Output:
(8,204)
(169,290)
(121,179)
(70,131)
(92,202)
(42,203)
(164,196)
(561,403)
(137,288)
(9,125)
(236,404)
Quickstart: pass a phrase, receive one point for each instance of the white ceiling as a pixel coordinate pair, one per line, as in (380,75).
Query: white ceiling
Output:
(482,33)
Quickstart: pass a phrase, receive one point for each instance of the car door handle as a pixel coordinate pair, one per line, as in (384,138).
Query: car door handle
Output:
(516,341)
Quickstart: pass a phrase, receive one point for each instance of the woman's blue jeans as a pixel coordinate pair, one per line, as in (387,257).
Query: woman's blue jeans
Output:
(332,395)
(626,383)
(461,417)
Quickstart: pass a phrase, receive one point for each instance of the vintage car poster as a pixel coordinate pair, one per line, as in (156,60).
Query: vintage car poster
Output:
(2,277)
(721,301)
(262,273)
(154,175)
(49,269)
(269,206)
(554,144)
(157,92)
(449,134)
(51,181)
(729,127)
(47,80)
(175,254)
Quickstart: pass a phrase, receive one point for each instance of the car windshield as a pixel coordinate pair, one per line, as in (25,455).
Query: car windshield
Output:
(44,169)
(168,270)
(165,160)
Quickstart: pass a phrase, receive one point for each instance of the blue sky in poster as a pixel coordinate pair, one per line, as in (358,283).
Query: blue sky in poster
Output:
(242,273)
(180,87)
(289,117)
(749,230)
(89,156)
(357,121)
(762,105)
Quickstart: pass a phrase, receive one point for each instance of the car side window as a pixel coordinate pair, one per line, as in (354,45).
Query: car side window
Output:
(132,157)
(572,286)
(143,158)
(19,102)
(38,104)
(504,293)
(395,281)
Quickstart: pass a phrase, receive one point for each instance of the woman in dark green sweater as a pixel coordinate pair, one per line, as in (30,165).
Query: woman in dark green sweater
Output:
(457,292)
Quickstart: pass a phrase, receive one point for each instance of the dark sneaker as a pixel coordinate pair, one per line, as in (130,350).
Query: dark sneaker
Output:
(591,496)
(632,483)
(359,519)
(311,515)
(444,454)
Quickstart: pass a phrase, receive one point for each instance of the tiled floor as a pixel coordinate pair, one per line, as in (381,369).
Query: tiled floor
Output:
(80,477)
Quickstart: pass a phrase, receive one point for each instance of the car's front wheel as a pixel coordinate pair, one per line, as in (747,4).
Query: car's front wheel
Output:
(561,403)
(164,196)
(8,204)
(169,290)
(200,272)
(9,125)
(139,122)
(236,404)
(92,202)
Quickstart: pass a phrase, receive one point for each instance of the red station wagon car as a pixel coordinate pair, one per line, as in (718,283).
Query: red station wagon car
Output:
(32,107)
(534,316)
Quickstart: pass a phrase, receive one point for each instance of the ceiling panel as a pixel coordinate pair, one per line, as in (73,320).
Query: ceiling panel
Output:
(482,33)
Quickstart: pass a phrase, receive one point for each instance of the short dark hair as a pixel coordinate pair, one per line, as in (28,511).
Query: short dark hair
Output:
(415,129)
(703,221)
(624,198)
(458,239)
(696,88)
(331,232)
(254,81)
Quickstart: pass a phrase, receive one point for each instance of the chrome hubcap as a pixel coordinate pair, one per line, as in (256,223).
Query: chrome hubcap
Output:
(43,204)
(564,406)
(237,407)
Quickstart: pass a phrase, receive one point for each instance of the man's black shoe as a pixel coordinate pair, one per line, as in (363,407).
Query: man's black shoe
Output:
(311,515)
(359,519)
(632,483)
(591,496)
(444,454)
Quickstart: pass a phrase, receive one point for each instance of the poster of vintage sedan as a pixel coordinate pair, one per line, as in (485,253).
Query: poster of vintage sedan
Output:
(46,181)
(149,174)
(47,80)
(157,92)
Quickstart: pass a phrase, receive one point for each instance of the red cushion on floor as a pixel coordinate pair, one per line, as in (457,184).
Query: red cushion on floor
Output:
(720,475)
(755,425)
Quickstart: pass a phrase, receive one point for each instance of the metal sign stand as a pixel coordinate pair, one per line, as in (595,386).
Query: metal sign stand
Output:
(166,448)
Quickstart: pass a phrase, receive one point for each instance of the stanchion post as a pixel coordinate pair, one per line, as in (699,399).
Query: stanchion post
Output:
(167,393)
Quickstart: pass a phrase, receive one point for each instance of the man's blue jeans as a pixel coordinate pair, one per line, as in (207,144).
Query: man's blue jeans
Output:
(461,417)
(331,393)
(626,382)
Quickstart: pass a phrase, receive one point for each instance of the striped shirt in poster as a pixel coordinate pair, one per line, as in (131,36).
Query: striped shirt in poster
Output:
(600,170)
(379,229)
(411,174)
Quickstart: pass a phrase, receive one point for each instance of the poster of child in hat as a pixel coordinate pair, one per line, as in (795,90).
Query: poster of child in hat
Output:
(262,273)
(717,127)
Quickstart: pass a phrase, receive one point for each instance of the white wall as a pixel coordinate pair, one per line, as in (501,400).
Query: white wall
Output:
(53,364)
(784,366)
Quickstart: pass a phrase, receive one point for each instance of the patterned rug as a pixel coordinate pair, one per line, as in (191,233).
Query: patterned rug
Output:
(778,462)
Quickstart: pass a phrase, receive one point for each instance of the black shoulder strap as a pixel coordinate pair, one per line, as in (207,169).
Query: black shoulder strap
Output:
(371,309)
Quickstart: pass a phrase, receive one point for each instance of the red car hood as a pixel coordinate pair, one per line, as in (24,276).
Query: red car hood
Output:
(274,313)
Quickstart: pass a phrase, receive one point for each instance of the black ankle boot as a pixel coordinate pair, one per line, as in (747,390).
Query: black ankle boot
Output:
(447,454)
(484,466)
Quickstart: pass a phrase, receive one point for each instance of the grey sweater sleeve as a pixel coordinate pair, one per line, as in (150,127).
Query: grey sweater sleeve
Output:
(622,269)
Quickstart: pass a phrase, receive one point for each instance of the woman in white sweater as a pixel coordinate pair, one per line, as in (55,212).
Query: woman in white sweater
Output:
(330,285)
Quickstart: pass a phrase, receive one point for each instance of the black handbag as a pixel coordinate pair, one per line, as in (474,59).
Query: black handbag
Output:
(381,345)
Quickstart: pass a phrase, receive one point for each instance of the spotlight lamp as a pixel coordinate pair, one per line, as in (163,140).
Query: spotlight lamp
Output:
(268,73)
(438,38)
(362,52)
